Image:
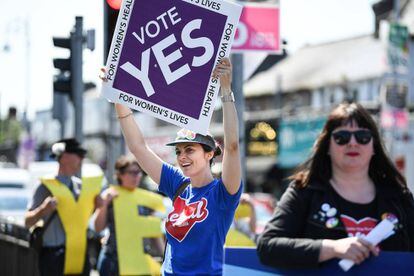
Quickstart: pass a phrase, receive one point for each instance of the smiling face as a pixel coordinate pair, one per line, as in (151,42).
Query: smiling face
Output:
(354,155)
(192,159)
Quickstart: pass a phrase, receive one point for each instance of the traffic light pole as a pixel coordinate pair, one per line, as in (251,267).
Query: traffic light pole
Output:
(237,63)
(68,82)
(59,111)
(77,73)
(115,145)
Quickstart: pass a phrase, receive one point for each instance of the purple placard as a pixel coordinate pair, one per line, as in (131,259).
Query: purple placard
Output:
(163,54)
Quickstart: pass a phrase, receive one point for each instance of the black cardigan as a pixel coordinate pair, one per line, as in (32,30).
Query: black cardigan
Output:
(293,237)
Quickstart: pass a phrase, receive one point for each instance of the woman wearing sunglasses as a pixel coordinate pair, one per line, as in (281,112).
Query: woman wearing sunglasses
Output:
(128,175)
(342,192)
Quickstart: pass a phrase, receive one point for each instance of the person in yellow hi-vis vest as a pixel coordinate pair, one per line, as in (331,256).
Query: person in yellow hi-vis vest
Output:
(65,204)
(126,212)
(243,230)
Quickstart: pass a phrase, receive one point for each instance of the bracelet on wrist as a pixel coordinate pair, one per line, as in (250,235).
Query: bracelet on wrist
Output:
(124,116)
(227,97)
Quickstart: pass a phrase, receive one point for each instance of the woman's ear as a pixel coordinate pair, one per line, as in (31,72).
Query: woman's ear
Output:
(210,155)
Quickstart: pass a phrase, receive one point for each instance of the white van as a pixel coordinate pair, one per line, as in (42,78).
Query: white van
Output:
(41,168)
(14,178)
(15,191)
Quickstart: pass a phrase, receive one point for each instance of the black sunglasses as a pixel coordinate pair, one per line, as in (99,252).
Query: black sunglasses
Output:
(343,137)
(134,172)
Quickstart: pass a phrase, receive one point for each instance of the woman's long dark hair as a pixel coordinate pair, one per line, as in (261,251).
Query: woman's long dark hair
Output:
(318,166)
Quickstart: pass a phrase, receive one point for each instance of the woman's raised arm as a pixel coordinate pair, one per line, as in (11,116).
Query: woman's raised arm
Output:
(147,159)
(231,174)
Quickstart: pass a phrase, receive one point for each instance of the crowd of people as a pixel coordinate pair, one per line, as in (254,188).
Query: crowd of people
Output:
(203,206)
(348,179)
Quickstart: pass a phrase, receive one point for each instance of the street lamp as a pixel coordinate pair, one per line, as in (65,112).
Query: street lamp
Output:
(15,26)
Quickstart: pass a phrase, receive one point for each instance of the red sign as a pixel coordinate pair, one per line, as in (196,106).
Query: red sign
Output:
(394,118)
(258,29)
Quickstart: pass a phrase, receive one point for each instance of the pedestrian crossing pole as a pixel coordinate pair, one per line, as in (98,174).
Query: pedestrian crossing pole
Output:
(237,62)
(77,76)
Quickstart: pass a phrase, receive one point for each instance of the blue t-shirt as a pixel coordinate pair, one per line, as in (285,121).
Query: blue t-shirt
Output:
(197,227)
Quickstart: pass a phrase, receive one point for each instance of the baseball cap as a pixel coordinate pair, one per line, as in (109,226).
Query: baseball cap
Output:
(70,145)
(188,136)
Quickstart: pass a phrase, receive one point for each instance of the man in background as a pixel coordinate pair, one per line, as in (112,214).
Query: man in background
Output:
(64,202)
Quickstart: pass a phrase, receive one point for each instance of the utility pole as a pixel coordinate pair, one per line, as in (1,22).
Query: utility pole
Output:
(68,83)
(396,10)
(59,111)
(27,76)
(76,41)
(237,62)
(115,144)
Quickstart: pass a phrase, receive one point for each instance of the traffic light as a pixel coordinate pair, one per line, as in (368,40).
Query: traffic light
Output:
(69,79)
(111,11)
(62,81)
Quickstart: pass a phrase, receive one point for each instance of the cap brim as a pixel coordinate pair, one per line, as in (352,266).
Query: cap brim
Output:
(80,152)
(189,142)
(181,142)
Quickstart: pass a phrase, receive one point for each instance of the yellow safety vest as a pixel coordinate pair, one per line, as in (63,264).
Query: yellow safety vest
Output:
(75,215)
(243,211)
(131,228)
(236,238)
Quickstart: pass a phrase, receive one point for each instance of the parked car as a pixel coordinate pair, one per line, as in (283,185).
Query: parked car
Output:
(14,194)
(5,165)
(14,178)
(41,168)
(13,204)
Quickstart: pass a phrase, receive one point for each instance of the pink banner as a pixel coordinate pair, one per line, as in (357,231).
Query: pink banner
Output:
(394,118)
(258,29)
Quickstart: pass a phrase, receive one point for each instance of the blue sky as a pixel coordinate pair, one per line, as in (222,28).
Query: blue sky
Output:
(34,23)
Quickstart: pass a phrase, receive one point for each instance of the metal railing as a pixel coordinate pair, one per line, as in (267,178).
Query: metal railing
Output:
(16,257)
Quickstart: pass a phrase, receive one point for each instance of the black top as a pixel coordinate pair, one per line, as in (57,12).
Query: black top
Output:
(358,219)
(293,237)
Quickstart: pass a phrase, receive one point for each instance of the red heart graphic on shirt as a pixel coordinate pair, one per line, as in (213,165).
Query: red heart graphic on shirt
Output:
(184,217)
(360,227)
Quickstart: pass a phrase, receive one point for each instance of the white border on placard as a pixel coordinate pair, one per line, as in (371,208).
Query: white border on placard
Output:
(200,125)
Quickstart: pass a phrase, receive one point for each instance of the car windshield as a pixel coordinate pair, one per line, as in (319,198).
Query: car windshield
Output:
(13,203)
(7,185)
